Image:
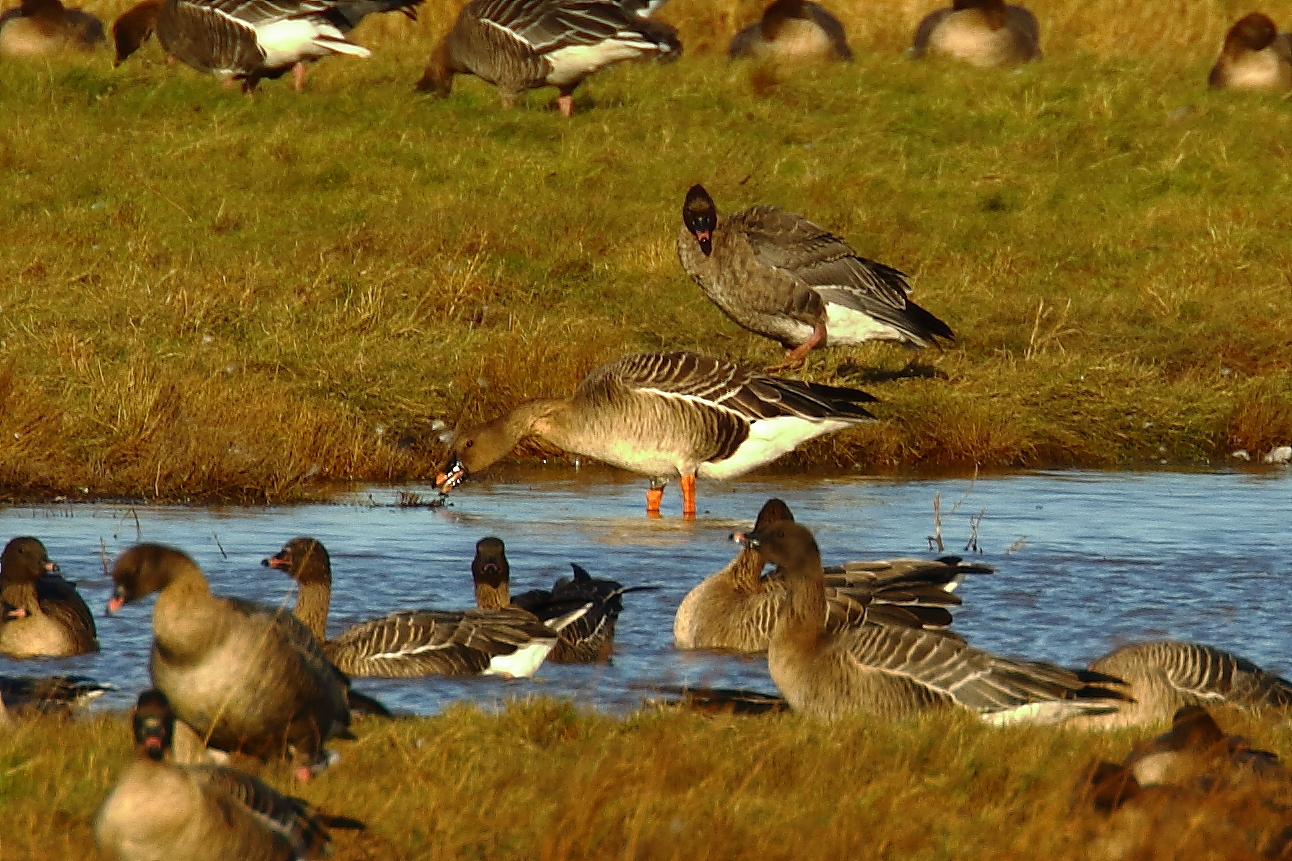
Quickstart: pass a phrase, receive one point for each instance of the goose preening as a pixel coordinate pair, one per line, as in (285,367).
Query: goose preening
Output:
(893,672)
(736,608)
(519,45)
(1166,675)
(504,641)
(160,810)
(247,40)
(792,30)
(39,28)
(979,32)
(246,677)
(665,415)
(41,614)
(780,276)
(1255,56)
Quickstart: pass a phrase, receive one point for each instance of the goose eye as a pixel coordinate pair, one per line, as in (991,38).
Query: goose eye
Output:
(469,443)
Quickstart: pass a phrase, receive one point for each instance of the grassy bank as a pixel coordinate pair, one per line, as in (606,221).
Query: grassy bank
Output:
(209,296)
(542,780)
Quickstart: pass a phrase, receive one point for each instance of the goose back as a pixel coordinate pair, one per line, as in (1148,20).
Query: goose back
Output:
(790,30)
(982,33)
(590,637)
(1254,57)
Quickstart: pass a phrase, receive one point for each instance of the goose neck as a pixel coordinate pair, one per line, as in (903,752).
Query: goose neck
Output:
(312,605)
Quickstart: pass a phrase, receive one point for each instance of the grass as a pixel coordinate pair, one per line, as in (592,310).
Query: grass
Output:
(207,296)
(544,780)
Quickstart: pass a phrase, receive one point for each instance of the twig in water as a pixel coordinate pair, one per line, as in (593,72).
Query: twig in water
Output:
(1017,545)
(219,545)
(935,540)
(972,543)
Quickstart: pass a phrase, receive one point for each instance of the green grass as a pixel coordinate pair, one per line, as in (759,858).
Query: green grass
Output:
(210,296)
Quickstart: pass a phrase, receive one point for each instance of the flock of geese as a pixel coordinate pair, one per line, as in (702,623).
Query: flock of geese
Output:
(519,45)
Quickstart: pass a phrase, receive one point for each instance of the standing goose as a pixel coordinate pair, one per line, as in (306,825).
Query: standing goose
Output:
(246,677)
(163,810)
(792,30)
(39,28)
(737,607)
(781,276)
(1166,675)
(1255,56)
(247,40)
(506,641)
(979,32)
(666,415)
(43,615)
(893,672)
(520,45)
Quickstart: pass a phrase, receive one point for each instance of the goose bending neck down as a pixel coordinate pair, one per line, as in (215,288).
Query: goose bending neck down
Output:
(41,614)
(981,33)
(666,415)
(40,28)
(1254,57)
(792,30)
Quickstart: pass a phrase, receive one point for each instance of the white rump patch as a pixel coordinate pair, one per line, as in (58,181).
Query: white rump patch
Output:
(578,61)
(769,439)
(523,662)
(846,326)
(294,39)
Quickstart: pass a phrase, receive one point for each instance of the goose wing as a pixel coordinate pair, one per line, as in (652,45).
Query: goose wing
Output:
(832,28)
(209,37)
(545,26)
(924,32)
(59,598)
(260,12)
(284,815)
(1208,673)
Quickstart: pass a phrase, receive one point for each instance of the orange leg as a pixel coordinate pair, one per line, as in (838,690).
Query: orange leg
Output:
(688,496)
(796,357)
(566,104)
(298,77)
(654,497)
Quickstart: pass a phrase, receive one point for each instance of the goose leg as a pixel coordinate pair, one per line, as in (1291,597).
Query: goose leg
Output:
(688,496)
(566,103)
(796,357)
(654,496)
(298,77)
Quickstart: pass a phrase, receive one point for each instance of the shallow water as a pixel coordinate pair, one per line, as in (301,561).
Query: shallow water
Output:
(1084,562)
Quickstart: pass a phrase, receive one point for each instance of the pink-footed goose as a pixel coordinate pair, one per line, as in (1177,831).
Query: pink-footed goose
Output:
(792,30)
(40,28)
(894,672)
(160,810)
(979,32)
(666,415)
(736,608)
(1255,56)
(496,640)
(520,45)
(41,614)
(780,276)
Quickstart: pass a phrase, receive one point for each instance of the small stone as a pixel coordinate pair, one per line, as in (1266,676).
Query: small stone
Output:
(1241,454)
(438,425)
(1282,454)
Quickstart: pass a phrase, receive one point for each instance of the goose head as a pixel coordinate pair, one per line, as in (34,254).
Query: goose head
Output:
(24,560)
(476,449)
(133,28)
(303,559)
(784,543)
(1255,32)
(491,573)
(700,216)
(145,569)
(47,10)
(154,725)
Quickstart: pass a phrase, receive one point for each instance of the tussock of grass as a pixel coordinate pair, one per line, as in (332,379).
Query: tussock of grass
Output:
(210,296)
(543,779)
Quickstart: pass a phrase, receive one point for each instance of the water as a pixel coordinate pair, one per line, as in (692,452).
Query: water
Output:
(1084,562)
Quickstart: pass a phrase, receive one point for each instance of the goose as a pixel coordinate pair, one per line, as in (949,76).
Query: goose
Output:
(893,672)
(247,40)
(49,694)
(780,276)
(246,677)
(736,608)
(520,45)
(1255,56)
(1165,675)
(665,415)
(715,701)
(981,33)
(161,810)
(792,29)
(45,616)
(503,641)
(39,28)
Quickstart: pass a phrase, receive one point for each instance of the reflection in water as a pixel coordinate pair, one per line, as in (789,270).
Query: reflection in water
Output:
(1085,562)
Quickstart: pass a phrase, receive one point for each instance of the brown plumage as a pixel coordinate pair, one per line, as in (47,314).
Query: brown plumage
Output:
(41,614)
(39,28)
(666,415)
(1255,56)
(780,276)
(792,30)
(979,32)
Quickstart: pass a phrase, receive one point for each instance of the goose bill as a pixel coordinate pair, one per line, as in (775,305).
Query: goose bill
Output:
(746,538)
(453,475)
(117,601)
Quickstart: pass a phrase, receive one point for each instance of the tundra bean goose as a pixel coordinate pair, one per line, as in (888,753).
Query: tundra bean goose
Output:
(666,415)
(1255,56)
(506,641)
(163,811)
(247,677)
(43,615)
(792,30)
(737,607)
(980,33)
(780,276)
(520,45)
(1165,675)
(892,672)
(39,28)
(247,40)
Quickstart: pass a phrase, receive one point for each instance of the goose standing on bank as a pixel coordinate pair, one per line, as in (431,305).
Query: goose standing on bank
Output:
(781,276)
(497,641)
(792,30)
(41,614)
(247,677)
(981,33)
(247,40)
(163,810)
(39,28)
(666,415)
(736,608)
(1255,56)
(893,672)
(519,45)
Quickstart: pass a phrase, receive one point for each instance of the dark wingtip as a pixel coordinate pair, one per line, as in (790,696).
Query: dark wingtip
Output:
(581,574)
